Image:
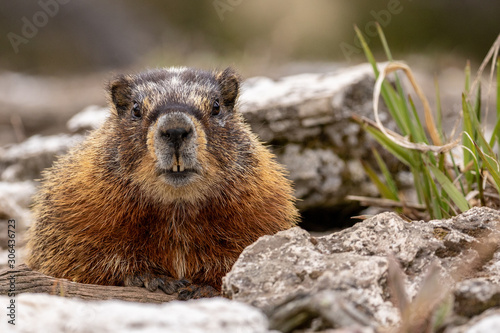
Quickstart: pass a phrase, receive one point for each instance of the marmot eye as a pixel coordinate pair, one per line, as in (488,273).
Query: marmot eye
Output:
(216,107)
(136,111)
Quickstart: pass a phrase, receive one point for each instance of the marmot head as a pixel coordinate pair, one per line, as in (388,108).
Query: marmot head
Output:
(179,130)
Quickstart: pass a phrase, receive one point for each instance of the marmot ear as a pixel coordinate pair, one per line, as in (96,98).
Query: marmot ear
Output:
(229,82)
(119,90)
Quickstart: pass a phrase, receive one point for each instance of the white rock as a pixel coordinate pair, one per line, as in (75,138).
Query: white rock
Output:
(486,325)
(263,93)
(90,118)
(46,313)
(15,199)
(24,161)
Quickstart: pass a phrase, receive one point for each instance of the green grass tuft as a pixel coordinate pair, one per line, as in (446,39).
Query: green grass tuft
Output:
(442,185)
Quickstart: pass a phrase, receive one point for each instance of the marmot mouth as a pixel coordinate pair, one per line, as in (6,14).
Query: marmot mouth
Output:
(177,171)
(176,177)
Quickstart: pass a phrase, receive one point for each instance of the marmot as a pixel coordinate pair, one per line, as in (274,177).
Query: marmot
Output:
(170,189)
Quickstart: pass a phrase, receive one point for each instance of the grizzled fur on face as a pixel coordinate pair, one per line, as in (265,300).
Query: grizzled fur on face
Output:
(175,126)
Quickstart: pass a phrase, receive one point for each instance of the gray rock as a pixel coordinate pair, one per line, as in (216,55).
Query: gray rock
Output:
(15,199)
(284,109)
(20,165)
(292,261)
(45,313)
(487,322)
(307,120)
(353,264)
(90,118)
(317,173)
(19,192)
(26,160)
(476,295)
(333,310)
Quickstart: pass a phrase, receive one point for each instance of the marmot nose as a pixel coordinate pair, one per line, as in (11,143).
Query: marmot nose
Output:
(175,130)
(176,136)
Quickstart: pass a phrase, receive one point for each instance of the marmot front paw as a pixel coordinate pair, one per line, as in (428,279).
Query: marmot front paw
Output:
(195,291)
(151,282)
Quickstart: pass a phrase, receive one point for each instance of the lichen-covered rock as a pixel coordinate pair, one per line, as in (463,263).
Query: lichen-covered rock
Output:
(45,313)
(353,263)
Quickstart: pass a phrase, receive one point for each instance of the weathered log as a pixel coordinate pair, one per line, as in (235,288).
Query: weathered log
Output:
(25,280)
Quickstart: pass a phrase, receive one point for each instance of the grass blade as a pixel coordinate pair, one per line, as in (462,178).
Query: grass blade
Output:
(368,53)
(492,168)
(402,107)
(496,134)
(498,89)
(399,152)
(384,190)
(388,94)
(391,184)
(467,77)
(383,40)
(467,142)
(449,188)
(439,112)
(419,132)
(477,104)
(434,195)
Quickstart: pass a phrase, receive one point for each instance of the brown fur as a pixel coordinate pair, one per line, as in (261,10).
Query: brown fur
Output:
(105,214)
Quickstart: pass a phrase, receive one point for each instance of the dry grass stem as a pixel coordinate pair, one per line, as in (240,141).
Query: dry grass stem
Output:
(429,119)
(380,202)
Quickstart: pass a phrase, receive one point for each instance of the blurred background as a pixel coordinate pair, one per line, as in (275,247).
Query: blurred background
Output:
(56,55)
(89,36)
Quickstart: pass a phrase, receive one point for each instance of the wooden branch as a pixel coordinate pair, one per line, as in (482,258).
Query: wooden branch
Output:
(26,280)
